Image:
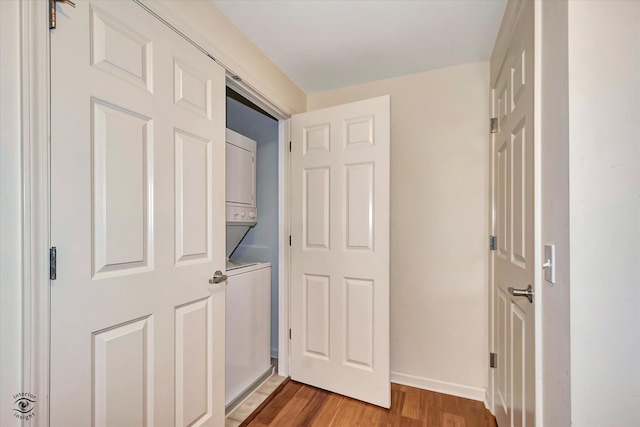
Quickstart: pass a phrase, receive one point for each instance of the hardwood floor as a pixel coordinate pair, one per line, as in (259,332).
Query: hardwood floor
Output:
(298,404)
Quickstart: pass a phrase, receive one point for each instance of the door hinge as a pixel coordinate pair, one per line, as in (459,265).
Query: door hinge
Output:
(52,11)
(493,125)
(493,360)
(492,243)
(53,263)
(289,333)
(289,240)
(289,146)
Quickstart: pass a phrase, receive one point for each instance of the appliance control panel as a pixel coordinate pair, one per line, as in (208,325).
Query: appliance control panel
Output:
(241,215)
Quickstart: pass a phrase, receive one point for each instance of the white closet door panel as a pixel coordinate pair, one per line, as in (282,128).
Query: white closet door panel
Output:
(137,216)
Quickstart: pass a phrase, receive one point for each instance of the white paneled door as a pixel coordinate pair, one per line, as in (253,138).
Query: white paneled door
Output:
(340,250)
(513,207)
(137,216)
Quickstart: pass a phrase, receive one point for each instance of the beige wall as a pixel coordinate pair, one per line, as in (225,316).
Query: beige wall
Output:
(205,24)
(439,205)
(604,172)
(556,376)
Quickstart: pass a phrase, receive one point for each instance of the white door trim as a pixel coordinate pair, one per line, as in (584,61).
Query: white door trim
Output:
(35,114)
(489,396)
(537,202)
(284,250)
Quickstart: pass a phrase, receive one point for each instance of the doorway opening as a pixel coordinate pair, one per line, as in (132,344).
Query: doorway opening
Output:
(255,252)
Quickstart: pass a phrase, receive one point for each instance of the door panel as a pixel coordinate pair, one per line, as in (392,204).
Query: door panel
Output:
(317,194)
(502,318)
(360,221)
(120,50)
(340,250)
(316,316)
(192,89)
(194,338)
(137,216)
(121,190)
(519,360)
(123,374)
(193,213)
(358,326)
(514,260)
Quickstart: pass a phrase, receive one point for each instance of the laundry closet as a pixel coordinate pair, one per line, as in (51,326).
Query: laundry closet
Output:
(251,247)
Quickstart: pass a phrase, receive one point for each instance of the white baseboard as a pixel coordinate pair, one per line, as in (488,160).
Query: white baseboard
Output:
(459,390)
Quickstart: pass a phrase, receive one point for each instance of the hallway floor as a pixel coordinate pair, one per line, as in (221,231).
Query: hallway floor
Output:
(300,405)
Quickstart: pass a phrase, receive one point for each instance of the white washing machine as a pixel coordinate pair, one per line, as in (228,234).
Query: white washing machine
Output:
(248,328)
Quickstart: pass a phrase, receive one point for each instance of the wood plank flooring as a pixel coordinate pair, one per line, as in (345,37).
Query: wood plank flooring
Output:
(298,404)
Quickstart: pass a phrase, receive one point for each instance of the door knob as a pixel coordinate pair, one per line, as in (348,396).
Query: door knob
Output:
(218,277)
(522,292)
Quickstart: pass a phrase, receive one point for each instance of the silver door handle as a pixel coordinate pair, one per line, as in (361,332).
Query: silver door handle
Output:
(522,292)
(218,277)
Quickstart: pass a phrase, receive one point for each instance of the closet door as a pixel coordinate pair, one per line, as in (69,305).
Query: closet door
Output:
(137,216)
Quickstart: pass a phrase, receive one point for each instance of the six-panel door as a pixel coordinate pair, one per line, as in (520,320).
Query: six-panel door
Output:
(340,250)
(137,216)
(514,258)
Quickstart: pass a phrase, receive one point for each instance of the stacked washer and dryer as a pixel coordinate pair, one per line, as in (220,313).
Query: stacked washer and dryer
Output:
(248,305)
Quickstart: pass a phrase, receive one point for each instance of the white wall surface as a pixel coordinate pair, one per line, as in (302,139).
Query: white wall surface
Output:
(261,242)
(604,107)
(10,212)
(203,22)
(439,223)
(555,212)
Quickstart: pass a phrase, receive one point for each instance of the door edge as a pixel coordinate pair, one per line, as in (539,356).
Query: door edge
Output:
(35,115)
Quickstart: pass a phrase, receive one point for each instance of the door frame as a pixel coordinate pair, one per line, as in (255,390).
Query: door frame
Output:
(34,35)
(35,114)
(511,16)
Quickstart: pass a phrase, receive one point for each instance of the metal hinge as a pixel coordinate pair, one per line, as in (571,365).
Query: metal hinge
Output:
(493,241)
(493,125)
(52,11)
(289,240)
(493,360)
(53,263)
(289,333)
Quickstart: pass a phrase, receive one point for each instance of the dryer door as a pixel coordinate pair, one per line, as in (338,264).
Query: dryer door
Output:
(241,170)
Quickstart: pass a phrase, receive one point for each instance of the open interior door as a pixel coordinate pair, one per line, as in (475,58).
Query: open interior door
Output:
(514,260)
(340,249)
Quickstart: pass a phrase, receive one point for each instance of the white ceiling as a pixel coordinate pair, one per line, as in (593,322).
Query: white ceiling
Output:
(324,45)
